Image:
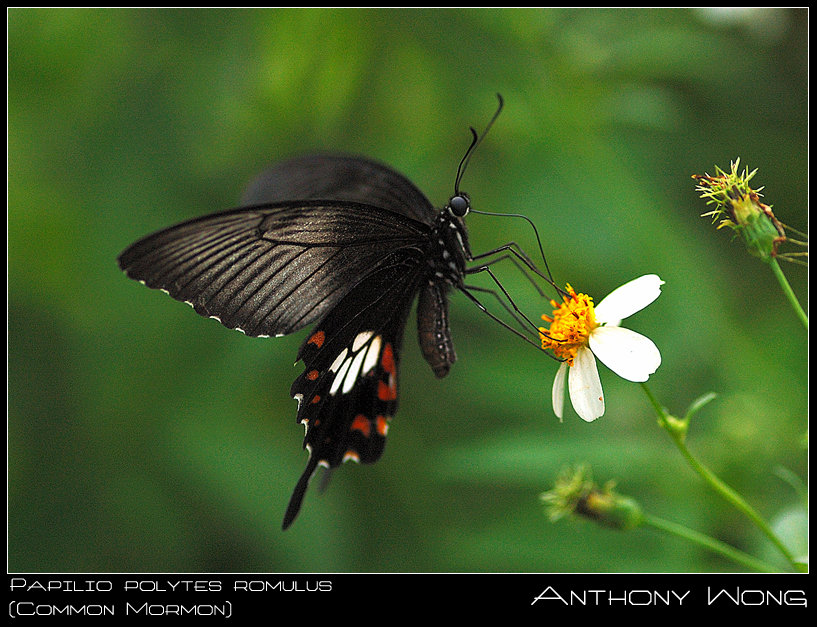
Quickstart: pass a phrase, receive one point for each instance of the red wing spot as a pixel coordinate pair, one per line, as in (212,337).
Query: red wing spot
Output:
(387,391)
(362,424)
(317,339)
(387,361)
(382,425)
(351,455)
(312,375)
(316,399)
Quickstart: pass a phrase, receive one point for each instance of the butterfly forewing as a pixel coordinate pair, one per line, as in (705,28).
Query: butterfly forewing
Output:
(270,270)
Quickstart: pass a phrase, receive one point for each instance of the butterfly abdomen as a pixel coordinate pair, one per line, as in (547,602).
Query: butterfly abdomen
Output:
(433,331)
(446,261)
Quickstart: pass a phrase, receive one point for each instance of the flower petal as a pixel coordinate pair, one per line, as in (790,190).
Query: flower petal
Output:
(585,386)
(627,353)
(559,390)
(628,299)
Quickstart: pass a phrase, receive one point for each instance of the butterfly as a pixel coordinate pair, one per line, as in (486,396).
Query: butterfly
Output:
(342,243)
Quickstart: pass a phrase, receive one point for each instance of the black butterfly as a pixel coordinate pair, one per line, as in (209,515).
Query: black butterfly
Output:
(343,242)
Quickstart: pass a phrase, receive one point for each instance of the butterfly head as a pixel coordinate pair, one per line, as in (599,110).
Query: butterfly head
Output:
(459,205)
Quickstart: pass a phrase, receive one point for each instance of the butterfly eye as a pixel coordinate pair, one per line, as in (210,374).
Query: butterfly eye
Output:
(459,205)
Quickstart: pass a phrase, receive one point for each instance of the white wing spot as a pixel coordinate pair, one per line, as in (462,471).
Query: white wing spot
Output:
(360,340)
(354,370)
(338,361)
(349,365)
(372,355)
(341,373)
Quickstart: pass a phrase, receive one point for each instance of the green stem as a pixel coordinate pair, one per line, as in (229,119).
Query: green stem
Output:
(705,541)
(784,283)
(677,433)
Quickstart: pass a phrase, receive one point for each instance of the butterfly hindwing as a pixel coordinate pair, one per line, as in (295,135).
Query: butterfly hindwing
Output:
(347,392)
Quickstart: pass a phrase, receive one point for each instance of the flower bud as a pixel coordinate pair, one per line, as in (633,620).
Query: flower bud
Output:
(576,493)
(610,509)
(739,208)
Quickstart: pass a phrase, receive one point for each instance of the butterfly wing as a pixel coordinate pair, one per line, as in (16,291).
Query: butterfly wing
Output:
(347,393)
(273,269)
(340,177)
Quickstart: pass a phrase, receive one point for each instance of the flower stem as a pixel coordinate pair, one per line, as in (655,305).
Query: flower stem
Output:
(677,430)
(784,283)
(712,544)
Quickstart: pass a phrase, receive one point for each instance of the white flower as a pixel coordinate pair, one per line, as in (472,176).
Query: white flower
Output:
(578,331)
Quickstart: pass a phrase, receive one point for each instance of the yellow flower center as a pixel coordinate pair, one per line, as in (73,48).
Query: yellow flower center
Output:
(570,327)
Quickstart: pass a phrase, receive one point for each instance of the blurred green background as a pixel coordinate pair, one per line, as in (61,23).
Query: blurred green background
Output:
(145,438)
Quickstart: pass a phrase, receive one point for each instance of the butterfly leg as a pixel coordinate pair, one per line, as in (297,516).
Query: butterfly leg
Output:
(516,312)
(491,315)
(513,259)
(513,251)
(523,322)
(487,269)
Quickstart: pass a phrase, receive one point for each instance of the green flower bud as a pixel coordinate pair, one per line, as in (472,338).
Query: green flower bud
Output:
(576,493)
(738,206)
(610,509)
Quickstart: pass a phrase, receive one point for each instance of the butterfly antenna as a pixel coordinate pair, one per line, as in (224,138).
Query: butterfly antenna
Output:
(475,141)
